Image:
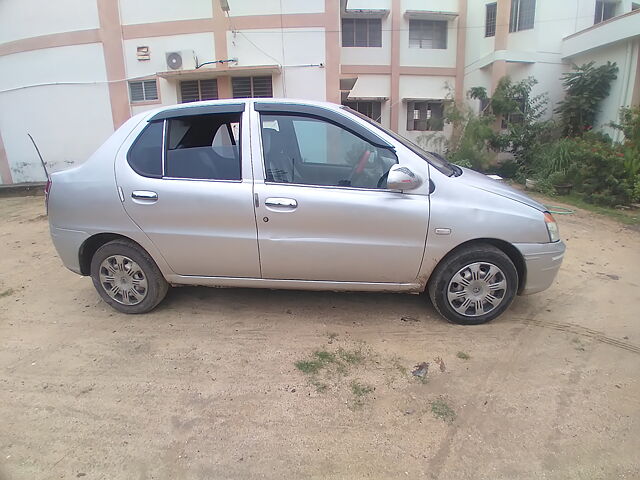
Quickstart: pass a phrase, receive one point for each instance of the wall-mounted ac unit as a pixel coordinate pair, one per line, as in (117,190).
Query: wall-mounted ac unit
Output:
(182,60)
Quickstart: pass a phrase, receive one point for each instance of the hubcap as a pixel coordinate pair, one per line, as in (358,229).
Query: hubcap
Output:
(477,289)
(123,280)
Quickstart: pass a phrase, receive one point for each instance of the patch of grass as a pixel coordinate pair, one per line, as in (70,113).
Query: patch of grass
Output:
(359,391)
(352,357)
(325,357)
(463,355)
(319,360)
(579,346)
(6,293)
(320,387)
(441,409)
(397,364)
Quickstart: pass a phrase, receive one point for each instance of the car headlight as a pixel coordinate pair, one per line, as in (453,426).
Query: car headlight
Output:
(552,227)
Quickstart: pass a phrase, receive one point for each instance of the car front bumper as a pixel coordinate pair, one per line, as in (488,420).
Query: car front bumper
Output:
(542,261)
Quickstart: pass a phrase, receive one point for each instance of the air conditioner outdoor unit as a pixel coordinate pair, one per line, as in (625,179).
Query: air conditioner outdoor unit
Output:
(182,60)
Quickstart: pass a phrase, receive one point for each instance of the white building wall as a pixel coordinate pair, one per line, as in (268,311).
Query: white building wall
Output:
(202,45)
(32,18)
(298,51)
(238,8)
(433,5)
(68,113)
(150,11)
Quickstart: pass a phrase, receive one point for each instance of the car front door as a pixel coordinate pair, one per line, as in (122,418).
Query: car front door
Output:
(322,207)
(184,181)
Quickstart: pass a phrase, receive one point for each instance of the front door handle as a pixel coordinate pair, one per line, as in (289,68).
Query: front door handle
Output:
(144,195)
(277,202)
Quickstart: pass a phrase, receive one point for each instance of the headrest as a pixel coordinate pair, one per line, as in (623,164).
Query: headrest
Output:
(269,137)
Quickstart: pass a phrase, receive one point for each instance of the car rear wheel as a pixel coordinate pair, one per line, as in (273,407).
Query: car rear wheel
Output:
(473,285)
(127,278)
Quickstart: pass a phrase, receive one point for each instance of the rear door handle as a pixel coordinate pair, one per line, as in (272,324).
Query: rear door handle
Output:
(284,203)
(144,195)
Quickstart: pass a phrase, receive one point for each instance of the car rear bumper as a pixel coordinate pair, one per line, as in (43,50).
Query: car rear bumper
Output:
(542,261)
(68,243)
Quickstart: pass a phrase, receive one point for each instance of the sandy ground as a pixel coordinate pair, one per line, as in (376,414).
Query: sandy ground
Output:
(206,386)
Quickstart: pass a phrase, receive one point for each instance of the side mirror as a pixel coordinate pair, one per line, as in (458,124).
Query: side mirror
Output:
(402,178)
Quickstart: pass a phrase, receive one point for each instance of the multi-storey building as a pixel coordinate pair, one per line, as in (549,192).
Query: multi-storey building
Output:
(74,70)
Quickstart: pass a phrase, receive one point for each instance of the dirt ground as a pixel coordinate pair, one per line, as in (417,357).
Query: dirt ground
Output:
(244,384)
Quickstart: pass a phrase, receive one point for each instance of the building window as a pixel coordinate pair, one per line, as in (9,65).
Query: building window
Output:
(490,20)
(143,91)
(428,34)
(425,116)
(523,14)
(197,90)
(251,87)
(371,109)
(635,6)
(604,11)
(361,32)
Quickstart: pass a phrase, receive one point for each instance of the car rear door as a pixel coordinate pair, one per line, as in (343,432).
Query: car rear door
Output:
(322,208)
(185,181)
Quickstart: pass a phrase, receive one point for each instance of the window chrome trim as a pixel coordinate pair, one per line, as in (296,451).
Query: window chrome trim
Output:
(358,189)
(165,125)
(189,179)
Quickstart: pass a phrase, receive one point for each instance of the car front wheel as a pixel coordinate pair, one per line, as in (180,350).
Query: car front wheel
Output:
(473,285)
(127,278)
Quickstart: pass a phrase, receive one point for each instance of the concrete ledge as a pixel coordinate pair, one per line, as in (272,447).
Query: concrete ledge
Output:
(29,189)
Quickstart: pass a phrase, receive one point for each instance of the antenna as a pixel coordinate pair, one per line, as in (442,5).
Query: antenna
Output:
(44,165)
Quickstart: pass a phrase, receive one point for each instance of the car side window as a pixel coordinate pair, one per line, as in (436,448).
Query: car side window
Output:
(204,147)
(145,155)
(309,151)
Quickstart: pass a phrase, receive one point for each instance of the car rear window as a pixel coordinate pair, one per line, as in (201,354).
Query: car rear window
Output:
(145,156)
(204,147)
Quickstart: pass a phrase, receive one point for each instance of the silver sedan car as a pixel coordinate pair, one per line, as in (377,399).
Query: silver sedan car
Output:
(297,195)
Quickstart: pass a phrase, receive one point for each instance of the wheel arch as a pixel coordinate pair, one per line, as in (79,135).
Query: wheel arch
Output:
(93,243)
(507,248)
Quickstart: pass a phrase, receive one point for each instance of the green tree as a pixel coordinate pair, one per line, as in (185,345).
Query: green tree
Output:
(586,86)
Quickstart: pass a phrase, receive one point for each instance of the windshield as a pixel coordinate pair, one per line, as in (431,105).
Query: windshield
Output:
(437,161)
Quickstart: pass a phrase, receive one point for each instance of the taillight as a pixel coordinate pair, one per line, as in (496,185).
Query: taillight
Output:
(47,189)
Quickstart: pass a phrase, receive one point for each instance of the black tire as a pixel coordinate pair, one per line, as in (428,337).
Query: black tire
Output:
(444,273)
(156,285)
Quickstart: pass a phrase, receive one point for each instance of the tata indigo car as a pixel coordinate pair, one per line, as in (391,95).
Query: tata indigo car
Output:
(296,195)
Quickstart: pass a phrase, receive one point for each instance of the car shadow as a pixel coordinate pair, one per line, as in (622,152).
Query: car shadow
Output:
(357,305)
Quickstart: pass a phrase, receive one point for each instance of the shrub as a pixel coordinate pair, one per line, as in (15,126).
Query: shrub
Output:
(586,86)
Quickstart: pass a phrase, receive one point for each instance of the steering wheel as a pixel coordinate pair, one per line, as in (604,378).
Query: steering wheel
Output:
(383,180)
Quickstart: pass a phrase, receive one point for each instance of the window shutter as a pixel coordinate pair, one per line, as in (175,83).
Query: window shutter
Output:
(150,88)
(136,91)
(375,32)
(361,32)
(410,120)
(348,32)
(262,87)
(189,91)
(209,89)
(490,20)
(421,124)
(241,87)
